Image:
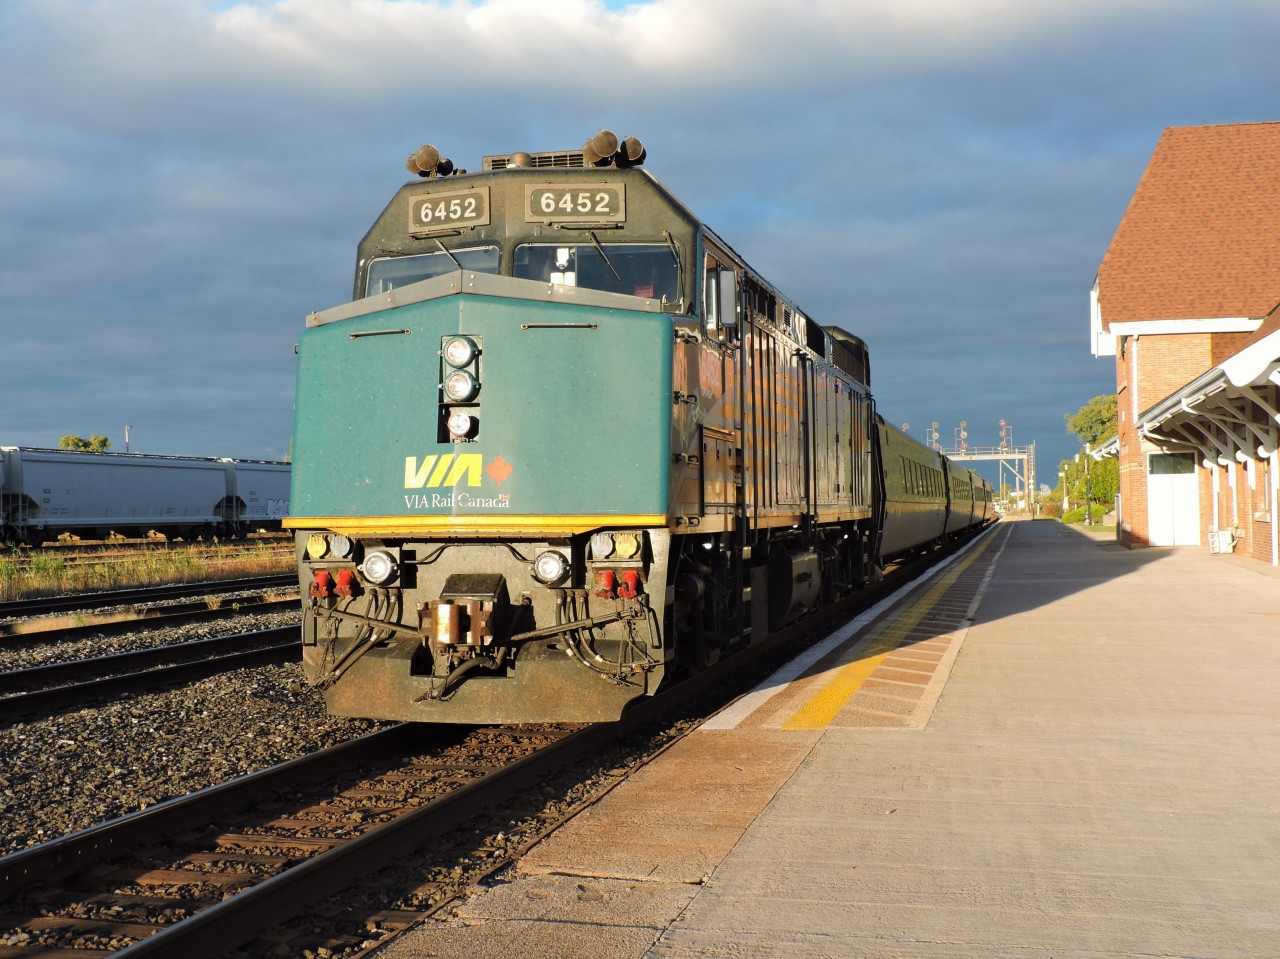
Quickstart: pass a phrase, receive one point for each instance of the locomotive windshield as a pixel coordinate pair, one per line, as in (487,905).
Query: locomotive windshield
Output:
(389,273)
(636,269)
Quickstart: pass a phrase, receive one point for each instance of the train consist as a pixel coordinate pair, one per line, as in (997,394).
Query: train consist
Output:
(564,443)
(45,493)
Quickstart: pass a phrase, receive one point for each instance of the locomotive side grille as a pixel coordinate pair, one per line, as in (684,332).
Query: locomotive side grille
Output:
(846,361)
(568,159)
(849,353)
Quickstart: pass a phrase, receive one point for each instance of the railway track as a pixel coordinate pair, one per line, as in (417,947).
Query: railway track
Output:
(146,617)
(42,689)
(208,890)
(122,597)
(181,887)
(204,874)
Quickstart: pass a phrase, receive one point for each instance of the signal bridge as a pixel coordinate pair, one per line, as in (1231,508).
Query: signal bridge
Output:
(1020,461)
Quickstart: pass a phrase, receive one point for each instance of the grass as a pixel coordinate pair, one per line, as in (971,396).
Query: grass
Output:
(40,573)
(1096,527)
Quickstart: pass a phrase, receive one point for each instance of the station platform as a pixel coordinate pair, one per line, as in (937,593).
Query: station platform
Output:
(1053,747)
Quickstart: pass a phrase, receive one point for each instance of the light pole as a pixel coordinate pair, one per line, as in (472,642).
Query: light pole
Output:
(1088,489)
(1062,479)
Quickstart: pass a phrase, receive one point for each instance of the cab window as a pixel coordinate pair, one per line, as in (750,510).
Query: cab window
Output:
(393,272)
(719,297)
(633,269)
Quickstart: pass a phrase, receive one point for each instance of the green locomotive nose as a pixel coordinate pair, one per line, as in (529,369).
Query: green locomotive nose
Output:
(527,414)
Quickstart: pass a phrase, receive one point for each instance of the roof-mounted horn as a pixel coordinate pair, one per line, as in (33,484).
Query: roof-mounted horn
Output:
(427,162)
(603,149)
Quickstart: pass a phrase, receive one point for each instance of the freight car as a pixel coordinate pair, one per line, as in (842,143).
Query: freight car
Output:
(564,442)
(45,493)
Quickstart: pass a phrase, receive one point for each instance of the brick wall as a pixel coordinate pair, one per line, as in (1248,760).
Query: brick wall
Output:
(1234,505)
(1223,346)
(1168,363)
(1259,546)
(1132,467)
(1253,536)
(1204,486)
(1133,493)
(1164,365)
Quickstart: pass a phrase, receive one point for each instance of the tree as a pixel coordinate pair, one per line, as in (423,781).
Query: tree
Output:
(94,444)
(1094,424)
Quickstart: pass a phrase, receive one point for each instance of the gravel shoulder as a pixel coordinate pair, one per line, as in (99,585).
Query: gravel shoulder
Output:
(79,768)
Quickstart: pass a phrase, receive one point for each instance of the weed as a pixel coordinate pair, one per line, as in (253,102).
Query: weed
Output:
(26,574)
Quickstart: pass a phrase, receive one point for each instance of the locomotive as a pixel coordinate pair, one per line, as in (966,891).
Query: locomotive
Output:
(564,443)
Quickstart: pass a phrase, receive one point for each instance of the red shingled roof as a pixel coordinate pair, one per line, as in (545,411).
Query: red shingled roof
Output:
(1201,237)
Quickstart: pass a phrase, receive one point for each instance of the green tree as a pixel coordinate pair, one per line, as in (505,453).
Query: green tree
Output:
(1093,424)
(94,444)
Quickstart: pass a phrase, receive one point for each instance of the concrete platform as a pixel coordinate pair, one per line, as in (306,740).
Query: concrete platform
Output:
(1054,748)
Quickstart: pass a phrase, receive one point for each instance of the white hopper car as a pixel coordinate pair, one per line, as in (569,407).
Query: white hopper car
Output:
(45,493)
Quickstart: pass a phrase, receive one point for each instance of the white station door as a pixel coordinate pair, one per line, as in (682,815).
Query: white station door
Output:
(1173,500)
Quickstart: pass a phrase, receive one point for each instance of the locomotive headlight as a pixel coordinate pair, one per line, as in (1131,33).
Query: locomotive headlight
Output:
(317,546)
(551,568)
(460,351)
(601,545)
(627,544)
(460,386)
(460,424)
(379,567)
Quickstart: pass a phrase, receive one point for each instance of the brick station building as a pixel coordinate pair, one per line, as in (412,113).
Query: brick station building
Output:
(1186,300)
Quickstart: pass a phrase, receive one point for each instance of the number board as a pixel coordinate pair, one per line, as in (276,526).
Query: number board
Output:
(576,203)
(443,211)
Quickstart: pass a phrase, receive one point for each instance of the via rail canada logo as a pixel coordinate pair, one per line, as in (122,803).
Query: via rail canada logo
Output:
(447,472)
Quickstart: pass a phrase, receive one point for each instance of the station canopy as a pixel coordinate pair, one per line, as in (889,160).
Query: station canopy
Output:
(1232,412)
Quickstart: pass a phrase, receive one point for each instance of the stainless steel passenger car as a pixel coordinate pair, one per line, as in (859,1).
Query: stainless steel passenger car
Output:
(915,494)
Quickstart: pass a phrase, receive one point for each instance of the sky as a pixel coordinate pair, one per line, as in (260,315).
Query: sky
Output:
(183,181)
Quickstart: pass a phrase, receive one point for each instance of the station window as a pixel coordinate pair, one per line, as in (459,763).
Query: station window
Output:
(1171,464)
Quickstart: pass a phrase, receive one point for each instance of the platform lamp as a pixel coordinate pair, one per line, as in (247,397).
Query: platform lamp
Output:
(1088,489)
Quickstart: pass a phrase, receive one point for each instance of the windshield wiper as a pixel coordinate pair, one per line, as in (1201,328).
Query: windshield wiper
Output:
(445,250)
(675,258)
(603,255)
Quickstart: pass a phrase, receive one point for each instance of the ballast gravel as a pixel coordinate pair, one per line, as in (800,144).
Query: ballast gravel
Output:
(33,652)
(78,768)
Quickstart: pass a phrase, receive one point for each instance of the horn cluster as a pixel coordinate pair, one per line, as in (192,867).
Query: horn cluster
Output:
(426,161)
(603,149)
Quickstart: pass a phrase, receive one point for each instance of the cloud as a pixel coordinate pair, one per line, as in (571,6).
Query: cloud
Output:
(181,181)
(182,57)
